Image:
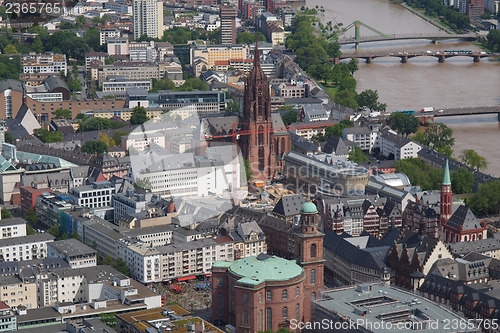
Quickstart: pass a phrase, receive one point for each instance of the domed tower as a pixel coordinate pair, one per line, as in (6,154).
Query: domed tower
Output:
(309,253)
(257,146)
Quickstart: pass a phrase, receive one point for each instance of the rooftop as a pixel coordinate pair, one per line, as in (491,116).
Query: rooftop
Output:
(263,268)
(72,247)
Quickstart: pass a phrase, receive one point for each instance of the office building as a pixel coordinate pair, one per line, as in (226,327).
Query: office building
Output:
(228,14)
(147,18)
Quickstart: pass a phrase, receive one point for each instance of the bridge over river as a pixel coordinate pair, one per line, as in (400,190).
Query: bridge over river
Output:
(473,110)
(434,37)
(440,55)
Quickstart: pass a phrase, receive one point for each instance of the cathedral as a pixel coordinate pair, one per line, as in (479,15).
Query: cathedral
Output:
(263,137)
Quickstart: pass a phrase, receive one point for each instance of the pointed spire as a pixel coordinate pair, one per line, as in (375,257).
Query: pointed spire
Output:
(256,55)
(446,178)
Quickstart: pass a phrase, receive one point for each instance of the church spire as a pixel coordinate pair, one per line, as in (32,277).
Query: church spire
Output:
(256,60)
(446,177)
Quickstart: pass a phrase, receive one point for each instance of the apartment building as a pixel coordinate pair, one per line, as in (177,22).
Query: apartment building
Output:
(48,209)
(129,71)
(106,34)
(213,53)
(13,227)
(147,18)
(45,63)
(174,261)
(364,137)
(100,57)
(140,141)
(7,318)
(117,46)
(96,195)
(16,292)
(74,252)
(396,147)
(117,84)
(25,247)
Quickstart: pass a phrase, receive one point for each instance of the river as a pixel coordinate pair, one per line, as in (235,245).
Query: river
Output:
(422,81)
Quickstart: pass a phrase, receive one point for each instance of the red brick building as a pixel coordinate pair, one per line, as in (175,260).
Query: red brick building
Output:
(266,292)
(28,197)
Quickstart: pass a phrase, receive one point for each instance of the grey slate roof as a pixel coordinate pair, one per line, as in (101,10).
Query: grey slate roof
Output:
(289,205)
(10,84)
(463,217)
(12,221)
(336,145)
(45,237)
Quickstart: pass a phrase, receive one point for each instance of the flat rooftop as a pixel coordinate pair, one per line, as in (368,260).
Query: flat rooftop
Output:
(376,305)
(72,247)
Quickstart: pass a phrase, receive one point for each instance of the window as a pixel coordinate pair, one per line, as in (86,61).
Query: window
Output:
(285,294)
(245,317)
(269,296)
(313,296)
(285,312)
(260,320)
(297,292)
(313,250)
(220,281)
(297,311)
(245,298)
(220,305)
(269,318)
(313,276)
(260,297)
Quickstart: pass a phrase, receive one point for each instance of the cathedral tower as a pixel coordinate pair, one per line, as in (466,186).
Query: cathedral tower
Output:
(257,146)
(446,197)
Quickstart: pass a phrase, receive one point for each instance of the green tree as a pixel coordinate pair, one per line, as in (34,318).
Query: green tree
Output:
(462,181)
(107,260)
(353,65)
(30,230)
(76,236)
(368,99)
(403,123)
(117,136)
(10,49)
(290,117)
(94,147)
(9,138)
(139,116)
(347,98)
(248,169)
(48,137)
(6,214)
(31,217)
(472,159)
(92,39)
(121,266)
(193,84)
(357,156)
(439,137)
(143,184)
(106,139)
(246,37)
(163,84)
(486,202)
(62,114)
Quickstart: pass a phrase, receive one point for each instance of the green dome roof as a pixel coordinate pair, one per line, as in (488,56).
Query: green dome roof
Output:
(261,268)
(309,208)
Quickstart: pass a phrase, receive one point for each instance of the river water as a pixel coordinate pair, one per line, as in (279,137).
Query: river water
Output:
(422,81)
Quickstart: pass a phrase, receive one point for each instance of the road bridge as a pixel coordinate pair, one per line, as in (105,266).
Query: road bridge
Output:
(404,56)
(435,37)
(464,111)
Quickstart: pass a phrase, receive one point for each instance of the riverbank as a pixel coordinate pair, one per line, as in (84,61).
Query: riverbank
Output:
(428,19)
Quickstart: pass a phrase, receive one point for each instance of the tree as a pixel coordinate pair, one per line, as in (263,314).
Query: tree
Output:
(404,123)
(62,114)
(106,139)
(76,236)
(347,98)
(462,181)
(139,116)
(10,49)
(121,266)
(486,202)
(30,230)
(247,37)
(357,156)
(107,260)
(6,214)
(290,117)
(9,138)
(117,136)
(31,217)
(163,84)
(94,147)
(248,169)
(48,137)
(472,159)
(194,84)
(368,99)
(143,184)
(353,65)
(439,137)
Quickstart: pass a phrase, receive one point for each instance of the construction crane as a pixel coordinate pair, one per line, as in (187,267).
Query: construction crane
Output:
(235,134)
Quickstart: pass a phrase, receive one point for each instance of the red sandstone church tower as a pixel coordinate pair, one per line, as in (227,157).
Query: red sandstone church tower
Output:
(309,253)
(446,197)
(257,146)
